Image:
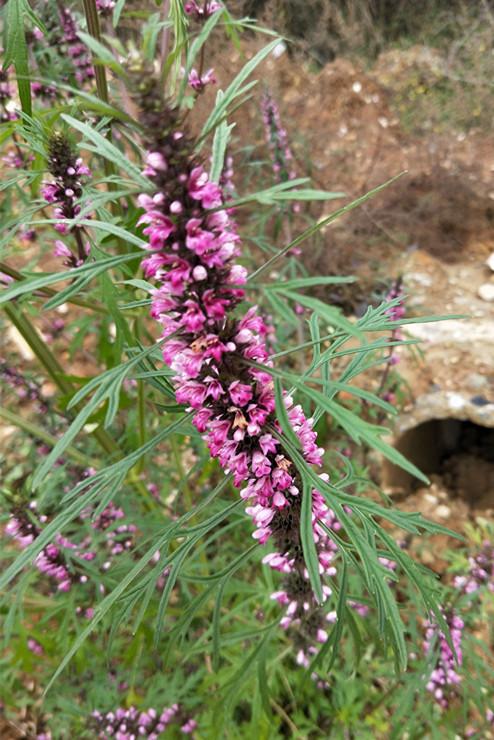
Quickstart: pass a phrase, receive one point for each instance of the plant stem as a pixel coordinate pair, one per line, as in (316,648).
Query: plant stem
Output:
(41,434)
(284,716)
(52,366)
(92,19)
(165,36)
(141,408)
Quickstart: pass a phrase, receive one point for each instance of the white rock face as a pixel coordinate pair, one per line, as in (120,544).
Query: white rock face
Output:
(486,292)
(490,262)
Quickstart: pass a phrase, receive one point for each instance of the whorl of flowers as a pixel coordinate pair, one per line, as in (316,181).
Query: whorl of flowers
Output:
(105,7)
(45,92)
(444,678)
(226,178)
(26,389)
(63,192)
(201,10)
(198,81)
(220,360)
(52,560)
(59,559)
(130,724)
(481,571)
(6,114)
(277,140)
(396,313)
(34,646)
(76,50)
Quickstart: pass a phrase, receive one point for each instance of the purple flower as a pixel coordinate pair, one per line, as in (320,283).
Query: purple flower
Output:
(444,678)
(105,7)
(199,82)
(202,10)
(129,724)
(215,358)
(81,60)
(279,148)
(63,192)
(46,92)
(481,572)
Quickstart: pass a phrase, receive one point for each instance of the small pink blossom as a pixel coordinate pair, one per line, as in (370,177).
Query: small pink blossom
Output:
(198,83)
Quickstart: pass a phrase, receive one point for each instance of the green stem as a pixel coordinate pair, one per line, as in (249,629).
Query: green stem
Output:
(52,366)
(92,19)
(141,408)
(41,434)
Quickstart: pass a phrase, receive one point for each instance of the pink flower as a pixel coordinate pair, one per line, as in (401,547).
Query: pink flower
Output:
(240,393)
(198,83)
(211,354)
(203,10)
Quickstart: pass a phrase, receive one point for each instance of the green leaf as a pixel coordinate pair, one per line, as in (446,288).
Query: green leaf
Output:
(306,194)
(234,90)
(320,224)
(89,270)
(109,151)
(220,143)
(101,53)
(282,415)
(195,48)
(308,282)
(117,12)
(361,430)
(17,52)
(307,538)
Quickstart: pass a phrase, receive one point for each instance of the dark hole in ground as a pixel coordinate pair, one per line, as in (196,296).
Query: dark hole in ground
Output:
(460,452)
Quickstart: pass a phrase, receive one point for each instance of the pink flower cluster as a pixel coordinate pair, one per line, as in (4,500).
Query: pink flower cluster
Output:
(63,192)
(444,678)
(201,10)
(47,92)
(5,97)
(51,561)
(118,537)
(221,365)
(34,646)
(199,81)
(26,388)
(395,313)
(129,724)
(277,140)
(226,178)
(59,559)
(105,7)
(279,148)
(481,571)
(76,50)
